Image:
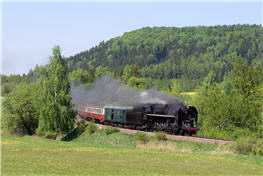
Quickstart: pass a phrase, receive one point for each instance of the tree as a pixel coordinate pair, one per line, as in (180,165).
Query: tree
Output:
(230,111)
(135,71)
(80,75)
(56,113)
(126,73)
(246,79)
(187,53)
(20,114)
(102,71)
(92,75)
(139,83)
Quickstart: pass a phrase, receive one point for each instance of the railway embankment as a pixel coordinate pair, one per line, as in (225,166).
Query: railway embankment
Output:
(169,136)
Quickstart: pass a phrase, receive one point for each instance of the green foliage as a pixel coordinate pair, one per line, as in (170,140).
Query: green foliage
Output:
(110,130)
(91,128)
(56,113)
(80,127)
(126,73)
(227,110)
(258,149)
(102,71)
(8,83)
(187,53)
(76,132)
(160,136)
(246,79)
(38,73)
(20,113)
(50,135)
(79,75)
(141,137)
(139,83)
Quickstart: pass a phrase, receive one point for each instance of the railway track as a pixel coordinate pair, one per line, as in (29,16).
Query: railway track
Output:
(168,136)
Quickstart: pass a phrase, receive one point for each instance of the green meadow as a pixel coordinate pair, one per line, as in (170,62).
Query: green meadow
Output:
(120,154)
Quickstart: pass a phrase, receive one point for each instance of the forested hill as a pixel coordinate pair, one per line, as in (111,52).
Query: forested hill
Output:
(188,53)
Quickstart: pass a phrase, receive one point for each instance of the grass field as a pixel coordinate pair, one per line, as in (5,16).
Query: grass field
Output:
(118,154)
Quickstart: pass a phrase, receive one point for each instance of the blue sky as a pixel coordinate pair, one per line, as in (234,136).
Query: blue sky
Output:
(30,30)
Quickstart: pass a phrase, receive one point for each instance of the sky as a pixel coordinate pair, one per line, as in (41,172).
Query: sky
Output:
(31,30)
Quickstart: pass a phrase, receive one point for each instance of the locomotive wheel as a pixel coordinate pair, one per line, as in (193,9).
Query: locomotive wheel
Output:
(135,127)
(182,132)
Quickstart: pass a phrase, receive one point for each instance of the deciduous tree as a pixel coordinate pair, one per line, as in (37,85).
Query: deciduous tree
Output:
(56,113)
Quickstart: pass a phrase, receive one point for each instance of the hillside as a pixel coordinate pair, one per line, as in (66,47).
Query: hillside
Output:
(187,53)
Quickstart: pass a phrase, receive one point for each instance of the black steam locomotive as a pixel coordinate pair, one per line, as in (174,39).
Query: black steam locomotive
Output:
(175,119)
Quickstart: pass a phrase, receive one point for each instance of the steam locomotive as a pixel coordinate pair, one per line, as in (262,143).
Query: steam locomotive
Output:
(171,118)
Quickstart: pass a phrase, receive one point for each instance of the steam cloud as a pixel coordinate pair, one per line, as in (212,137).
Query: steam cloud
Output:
(110,91)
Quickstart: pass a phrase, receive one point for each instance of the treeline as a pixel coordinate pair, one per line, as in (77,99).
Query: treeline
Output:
(129,75)
(8,83)
(187,54)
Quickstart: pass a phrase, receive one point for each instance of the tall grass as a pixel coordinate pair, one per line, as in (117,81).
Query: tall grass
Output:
(249,145)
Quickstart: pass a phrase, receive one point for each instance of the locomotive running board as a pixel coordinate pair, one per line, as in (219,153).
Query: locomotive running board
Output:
(159,115)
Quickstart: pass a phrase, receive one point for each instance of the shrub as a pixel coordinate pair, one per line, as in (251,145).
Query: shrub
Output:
(111,130)
(258,149)
(160,136)
(91,128)
(240,132)
(20,112)
(50,135)
(80,127)
(141,137)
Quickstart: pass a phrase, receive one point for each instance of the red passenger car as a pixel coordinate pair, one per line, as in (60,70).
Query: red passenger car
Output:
(95,113)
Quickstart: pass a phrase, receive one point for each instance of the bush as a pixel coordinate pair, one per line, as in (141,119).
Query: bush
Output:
(160,136)
(258,149)
(20,113)
(141,137)
(50,135)
(111,130)
(80,127)
(91,128)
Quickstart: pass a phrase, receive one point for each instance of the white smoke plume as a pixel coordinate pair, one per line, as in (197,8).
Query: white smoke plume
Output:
(110,91)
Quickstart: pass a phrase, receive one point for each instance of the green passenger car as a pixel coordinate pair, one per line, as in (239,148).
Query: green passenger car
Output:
(122,115)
